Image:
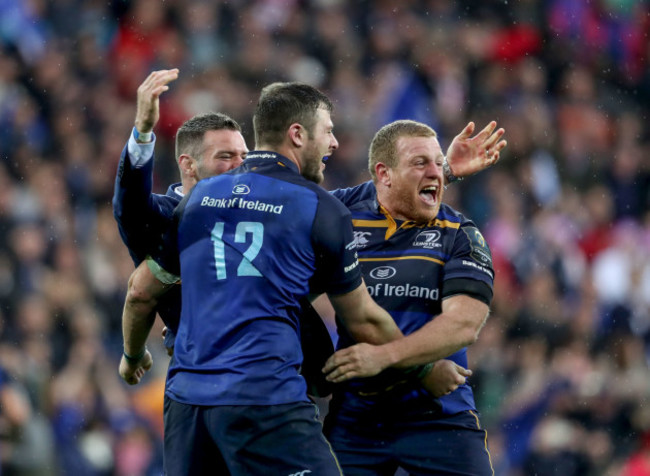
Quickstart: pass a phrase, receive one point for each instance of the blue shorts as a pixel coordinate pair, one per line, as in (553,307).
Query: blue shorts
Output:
(246,440)
(429,445)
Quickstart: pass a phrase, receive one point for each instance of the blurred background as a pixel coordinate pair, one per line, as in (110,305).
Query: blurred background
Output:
(561,368)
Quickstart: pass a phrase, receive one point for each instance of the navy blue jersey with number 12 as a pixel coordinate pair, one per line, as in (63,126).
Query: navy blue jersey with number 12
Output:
(252,243)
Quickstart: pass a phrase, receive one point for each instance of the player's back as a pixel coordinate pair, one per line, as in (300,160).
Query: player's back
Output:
(247,256)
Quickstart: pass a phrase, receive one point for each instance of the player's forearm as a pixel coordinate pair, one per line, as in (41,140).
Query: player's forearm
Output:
(364,320)
(139,312)
(438,339)
(137,321)
(383,325)
(374,330)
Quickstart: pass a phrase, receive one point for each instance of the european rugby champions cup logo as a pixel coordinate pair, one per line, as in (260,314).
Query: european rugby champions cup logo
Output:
(480,250)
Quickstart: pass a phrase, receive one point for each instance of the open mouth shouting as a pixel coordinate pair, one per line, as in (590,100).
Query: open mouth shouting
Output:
(429,195)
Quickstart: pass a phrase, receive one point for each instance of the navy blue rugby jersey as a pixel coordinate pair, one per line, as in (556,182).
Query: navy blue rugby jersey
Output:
(142,218)
(252,242)
(409,269)
(141,215)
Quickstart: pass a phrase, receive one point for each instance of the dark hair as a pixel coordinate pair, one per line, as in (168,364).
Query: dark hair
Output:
(283,104)
(189,138)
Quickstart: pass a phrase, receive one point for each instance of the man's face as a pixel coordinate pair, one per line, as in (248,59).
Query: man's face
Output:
(319,145)
(416,184)
(223,150)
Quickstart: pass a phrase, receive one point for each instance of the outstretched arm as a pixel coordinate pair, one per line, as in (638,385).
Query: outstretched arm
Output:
(468,155)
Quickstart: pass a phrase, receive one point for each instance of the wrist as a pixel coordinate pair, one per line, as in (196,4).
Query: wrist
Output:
(449,176)
(142,137)
(423,370)
(134,358)
(392,356)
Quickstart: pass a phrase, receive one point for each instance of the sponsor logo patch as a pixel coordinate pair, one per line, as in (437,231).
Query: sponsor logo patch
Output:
(360,239)
(383,272)
(241,189)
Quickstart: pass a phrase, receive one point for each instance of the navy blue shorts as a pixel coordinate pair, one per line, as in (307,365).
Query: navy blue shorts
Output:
(246,440)
(443,444)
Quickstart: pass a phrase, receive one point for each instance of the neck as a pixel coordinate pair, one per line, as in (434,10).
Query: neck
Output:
(187,184)
(288,152)
(385,202)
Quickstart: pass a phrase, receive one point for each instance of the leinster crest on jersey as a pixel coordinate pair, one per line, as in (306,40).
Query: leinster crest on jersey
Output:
(428,239)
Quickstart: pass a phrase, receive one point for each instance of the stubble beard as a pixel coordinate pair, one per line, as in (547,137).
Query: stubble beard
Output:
(411,208)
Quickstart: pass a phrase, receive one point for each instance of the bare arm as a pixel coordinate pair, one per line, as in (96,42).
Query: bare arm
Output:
(364,319)
(456,327)
(138,317)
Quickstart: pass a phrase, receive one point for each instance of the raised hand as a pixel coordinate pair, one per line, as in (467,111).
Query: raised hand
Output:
(445,377)
(468,155)
(148,106)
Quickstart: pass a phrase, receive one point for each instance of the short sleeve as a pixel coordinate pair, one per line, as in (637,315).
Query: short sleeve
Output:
(337,264)
(469,270)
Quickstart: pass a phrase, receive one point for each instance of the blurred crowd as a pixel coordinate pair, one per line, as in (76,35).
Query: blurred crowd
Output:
(561,367)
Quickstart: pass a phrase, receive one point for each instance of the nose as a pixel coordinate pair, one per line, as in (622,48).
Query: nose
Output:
(237,161)
(434,169)
(334,144)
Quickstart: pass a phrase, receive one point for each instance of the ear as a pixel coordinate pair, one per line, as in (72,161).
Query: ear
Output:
(383,174)
(297,134)
(187,166)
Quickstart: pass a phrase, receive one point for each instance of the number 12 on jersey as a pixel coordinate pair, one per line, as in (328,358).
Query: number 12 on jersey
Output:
(244,228)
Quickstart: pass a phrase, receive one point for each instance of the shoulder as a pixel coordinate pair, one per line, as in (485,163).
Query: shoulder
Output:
(173,192)
(358,193)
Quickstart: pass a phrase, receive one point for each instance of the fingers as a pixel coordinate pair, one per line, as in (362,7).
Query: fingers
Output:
(467,131)
(464,372)
(163,76)
(339,367)
(134,377)
(349,363)
(491,139)
(487,131)
(157,82)
(341,374)
(494,154)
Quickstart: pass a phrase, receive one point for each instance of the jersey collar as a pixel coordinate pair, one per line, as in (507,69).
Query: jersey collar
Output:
(394,225)
(175,190)
(263,156)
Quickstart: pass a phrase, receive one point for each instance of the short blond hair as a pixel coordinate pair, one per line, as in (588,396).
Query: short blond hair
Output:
(383,147)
